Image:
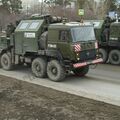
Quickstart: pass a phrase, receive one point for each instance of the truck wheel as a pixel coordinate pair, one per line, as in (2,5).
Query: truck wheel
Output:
(39,66)
(6,62)
(114,57)
(55,71)
(81,71)
(103,54)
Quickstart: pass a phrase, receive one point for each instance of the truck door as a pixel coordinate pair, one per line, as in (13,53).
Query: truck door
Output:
(30,42)
(63,43)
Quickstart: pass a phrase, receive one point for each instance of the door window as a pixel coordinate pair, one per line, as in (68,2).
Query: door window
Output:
(63,35)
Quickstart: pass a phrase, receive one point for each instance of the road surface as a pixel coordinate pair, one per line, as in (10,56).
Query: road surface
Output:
(102,83)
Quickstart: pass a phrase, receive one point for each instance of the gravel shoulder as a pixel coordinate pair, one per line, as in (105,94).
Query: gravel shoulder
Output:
(24,101)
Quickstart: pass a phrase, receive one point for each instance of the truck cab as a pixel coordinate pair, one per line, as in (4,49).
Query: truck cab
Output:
(74,41)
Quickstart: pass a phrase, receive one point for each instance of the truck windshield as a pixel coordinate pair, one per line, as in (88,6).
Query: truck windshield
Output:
(83,33)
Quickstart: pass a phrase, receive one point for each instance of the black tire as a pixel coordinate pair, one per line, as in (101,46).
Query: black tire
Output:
(81,71)
(114,57)
(103,54)
(55,71)
(6,62)
(39,66)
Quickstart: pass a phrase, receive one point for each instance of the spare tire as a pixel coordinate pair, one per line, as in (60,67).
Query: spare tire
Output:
(43,41)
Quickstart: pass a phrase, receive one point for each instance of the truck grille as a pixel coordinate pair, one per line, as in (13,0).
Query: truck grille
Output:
(87,55)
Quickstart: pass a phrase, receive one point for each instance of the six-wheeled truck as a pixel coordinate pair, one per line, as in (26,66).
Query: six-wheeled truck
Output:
(51,52)
(108,36)
(110,44)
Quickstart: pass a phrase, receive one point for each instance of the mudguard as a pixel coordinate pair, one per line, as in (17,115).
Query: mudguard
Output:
(54,53)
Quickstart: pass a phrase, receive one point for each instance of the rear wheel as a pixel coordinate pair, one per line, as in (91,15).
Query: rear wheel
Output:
(55,71)
(81,71)
(114,57)
(6,62)
(103,54)
(39,66)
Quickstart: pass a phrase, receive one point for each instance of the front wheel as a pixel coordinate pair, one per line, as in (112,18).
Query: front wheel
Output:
(81,71)
(103,54)
(6,62)
(55,71)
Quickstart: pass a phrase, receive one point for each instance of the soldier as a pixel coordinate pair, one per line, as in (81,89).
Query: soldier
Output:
(106,29)
(10,29)
(107,22)
(106,34)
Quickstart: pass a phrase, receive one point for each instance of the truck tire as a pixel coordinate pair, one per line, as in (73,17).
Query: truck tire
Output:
(103,54)
(39,66)
(81,71)
(114,57)
(55,71)
(6,62)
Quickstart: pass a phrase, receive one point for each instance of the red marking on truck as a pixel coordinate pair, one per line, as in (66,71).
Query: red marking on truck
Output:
(77,65)
(97,61)
(77,48)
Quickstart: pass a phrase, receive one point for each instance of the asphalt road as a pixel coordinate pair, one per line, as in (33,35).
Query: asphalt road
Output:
(102,83)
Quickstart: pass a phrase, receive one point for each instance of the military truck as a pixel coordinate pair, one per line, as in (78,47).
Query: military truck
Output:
(51,52)
(108,36)
(110,44)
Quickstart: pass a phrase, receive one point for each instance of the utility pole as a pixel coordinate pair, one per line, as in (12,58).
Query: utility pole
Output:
(0,26)
(41,7)
(81,9)
(64,8)
(28,7)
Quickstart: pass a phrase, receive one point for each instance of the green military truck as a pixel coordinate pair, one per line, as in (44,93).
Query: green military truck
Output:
(108,36)
(51,52)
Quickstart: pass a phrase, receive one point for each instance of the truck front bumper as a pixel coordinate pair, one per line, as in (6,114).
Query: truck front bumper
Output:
(96,61)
